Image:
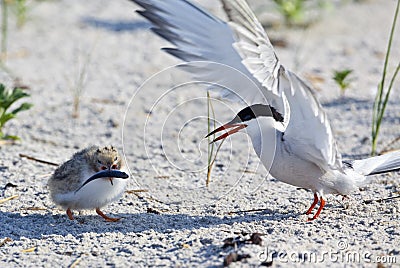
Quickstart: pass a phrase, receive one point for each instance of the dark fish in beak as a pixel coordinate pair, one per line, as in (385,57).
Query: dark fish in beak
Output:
(105,174)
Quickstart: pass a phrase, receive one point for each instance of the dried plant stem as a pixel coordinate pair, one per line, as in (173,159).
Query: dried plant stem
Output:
(211,164)
(381,101)
(38,160)
(32,249)
(8,198)
(7,142)
(77,261)
(136,191)
(210,145)
(79,84)
(79,88)
(381,199)
(388,146)
(247,211)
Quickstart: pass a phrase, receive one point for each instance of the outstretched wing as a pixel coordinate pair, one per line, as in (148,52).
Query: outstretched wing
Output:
(308,132)
(206,44)
(253,45)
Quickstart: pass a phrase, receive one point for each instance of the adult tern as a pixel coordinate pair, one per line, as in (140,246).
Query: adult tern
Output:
(288,127)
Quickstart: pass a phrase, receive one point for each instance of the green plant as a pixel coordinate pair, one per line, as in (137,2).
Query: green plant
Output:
(20,8)
(342,79)
(4,26)
(382,98)
(297,12)
(292,10)
(7,99)
(211,146)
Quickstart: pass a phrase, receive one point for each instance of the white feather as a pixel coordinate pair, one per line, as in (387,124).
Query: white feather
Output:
(307,127)
(206,44)
(377,164)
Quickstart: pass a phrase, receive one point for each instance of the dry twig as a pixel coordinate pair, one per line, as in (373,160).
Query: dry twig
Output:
(38,160)
(32,249)
(245,211)
(8,198)
(76,262)
(136,191)
(381,199)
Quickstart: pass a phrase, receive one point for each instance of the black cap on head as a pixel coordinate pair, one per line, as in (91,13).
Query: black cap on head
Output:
(255,111)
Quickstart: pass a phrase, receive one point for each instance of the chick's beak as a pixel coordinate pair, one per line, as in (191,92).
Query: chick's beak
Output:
(233,129)
(110,178)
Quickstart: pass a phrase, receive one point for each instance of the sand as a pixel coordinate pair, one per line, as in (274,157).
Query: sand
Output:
(176,220)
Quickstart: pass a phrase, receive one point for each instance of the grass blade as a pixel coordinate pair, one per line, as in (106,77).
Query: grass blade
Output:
(4,28)
(380,104)
(210,146)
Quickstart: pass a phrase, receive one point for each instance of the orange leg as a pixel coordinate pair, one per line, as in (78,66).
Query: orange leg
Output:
(321,206)
(106,217)
(69,213)
(313,204)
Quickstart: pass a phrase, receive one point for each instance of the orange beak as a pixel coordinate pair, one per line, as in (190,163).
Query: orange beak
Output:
(233,129)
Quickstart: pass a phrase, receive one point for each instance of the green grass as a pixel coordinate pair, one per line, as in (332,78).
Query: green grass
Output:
(20,9)
(342,79)
(294,11)
(4,27)
(382,95)
(7,99)
(211,146)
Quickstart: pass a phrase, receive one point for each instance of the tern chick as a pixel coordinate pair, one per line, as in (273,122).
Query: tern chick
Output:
(66,183)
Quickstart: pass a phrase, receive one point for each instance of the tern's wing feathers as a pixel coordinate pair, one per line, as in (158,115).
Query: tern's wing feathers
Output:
(199,36)
(253,44)
(308,131)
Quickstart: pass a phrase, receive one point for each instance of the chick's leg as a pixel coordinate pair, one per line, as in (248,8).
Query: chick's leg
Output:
(98,211)
(69,213)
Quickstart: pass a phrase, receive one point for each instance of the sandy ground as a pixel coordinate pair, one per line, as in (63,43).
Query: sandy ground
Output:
(177,221)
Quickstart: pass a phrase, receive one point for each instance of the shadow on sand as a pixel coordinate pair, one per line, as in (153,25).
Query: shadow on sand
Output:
(34,226)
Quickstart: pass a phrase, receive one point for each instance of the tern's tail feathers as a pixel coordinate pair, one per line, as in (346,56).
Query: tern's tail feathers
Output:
(377,164)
